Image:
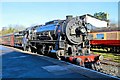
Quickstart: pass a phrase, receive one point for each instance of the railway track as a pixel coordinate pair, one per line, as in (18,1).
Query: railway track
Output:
(106,62)
(104,51)
(109,67)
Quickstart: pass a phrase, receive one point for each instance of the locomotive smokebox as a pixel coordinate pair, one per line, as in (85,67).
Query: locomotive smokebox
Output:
(69,17)
(74,30)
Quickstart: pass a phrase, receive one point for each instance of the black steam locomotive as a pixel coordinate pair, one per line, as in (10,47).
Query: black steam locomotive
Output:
(63,37)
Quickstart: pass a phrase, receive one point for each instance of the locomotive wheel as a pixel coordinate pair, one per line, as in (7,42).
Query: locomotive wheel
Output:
(58,55)
(29,49)
(80,62)
(98,66)
(43,50)
(69,50)
(93,66)
(24,47)
(38,50)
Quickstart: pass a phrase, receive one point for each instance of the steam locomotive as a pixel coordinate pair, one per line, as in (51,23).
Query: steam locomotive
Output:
(63,39)
(61,35)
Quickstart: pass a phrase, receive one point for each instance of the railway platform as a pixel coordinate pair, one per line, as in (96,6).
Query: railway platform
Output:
(17,64)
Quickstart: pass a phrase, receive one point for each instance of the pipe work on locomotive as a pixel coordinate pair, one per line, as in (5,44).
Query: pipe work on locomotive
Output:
(66,40)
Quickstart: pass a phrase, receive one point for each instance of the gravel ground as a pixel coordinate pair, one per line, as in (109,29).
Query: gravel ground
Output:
(109,68)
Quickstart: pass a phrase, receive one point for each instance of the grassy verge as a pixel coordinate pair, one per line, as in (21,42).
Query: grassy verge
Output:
(110,56)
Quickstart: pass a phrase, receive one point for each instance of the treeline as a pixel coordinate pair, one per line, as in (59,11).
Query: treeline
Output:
(8,31)
(102,16)
(11,29)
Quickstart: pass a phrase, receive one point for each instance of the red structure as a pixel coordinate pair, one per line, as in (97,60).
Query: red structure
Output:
(8,40)
(109,40)
(105,42)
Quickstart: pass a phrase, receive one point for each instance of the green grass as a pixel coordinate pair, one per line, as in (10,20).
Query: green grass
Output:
(110,56)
